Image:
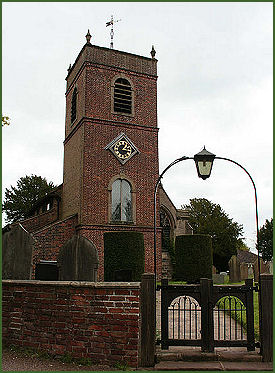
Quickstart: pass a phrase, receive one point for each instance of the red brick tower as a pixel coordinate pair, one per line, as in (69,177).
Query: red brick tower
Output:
(111,145)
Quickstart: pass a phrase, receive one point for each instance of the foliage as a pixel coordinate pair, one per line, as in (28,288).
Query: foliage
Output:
(242,246)
(169,245)
(207,217)
(19,199)
(256,315)
(265,244)
(235,308)
(239,316)
(123,251)
(194,257)
(122,365)
(5,121)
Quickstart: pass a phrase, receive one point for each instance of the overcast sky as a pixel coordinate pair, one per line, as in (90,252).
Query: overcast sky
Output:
(214,89)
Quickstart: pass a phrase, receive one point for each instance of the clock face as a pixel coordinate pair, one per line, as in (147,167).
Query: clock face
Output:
(122,148)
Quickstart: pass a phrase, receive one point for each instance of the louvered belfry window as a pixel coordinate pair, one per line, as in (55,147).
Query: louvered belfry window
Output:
(122,96)
(73,109)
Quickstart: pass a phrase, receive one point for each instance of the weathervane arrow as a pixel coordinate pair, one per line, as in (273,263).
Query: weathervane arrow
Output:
(111,23)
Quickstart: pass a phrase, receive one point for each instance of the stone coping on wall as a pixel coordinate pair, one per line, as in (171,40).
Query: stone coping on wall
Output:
(121,285)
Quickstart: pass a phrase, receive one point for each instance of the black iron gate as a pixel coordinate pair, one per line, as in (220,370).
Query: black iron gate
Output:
(207,316)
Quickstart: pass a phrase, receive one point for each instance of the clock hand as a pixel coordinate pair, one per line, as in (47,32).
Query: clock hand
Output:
(126,147)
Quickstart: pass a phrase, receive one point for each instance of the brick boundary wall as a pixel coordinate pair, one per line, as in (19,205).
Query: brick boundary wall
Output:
(100,321)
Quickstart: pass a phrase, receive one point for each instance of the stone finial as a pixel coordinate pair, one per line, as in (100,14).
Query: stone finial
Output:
(153,52)
(88,37)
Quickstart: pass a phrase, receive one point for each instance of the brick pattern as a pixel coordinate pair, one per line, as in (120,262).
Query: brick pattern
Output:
(99,95)
(100,166)
(80,102)
(49,241)
(106,57)
(97,321)
(72,175)
(88,167)
(94,97)
(36,222)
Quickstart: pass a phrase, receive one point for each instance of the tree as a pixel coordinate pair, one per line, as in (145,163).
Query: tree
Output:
(242,246)
(209,218)
(20,199)
(265,243)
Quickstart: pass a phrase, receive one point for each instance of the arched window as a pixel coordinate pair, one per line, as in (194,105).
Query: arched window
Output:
(122,96)
(73,109)
(165,223)
(121,201)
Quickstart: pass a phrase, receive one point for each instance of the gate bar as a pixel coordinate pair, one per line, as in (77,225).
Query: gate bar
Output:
(207,320)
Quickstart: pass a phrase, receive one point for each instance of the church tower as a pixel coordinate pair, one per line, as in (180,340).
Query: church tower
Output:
(111,145)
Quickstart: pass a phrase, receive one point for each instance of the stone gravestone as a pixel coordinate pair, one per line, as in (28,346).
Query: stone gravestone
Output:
(234,269)
(17,248)
(218,278)
(78,260)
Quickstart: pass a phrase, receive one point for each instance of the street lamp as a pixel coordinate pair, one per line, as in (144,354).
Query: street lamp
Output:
(204,162)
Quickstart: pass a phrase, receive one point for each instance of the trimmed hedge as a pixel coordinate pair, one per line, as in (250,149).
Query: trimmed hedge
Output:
(194,257)
(123,256)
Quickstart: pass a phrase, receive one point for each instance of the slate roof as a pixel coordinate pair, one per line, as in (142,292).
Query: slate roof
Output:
(246,256)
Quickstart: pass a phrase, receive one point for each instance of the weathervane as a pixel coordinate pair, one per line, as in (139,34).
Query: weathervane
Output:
(111,23)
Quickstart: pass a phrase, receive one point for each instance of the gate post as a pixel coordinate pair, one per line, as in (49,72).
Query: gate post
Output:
(250,315)
(266,322)
(207,322)
(164,314)
(148,320)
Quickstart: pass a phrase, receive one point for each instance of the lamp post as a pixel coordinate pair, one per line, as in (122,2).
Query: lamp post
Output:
(204,162)
(155,208)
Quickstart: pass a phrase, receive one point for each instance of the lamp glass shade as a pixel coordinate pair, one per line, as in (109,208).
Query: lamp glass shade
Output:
(204,169)
(204,162)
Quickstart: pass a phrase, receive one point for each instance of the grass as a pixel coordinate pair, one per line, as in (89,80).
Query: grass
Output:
(256,315)
(237,315)
(122,365)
